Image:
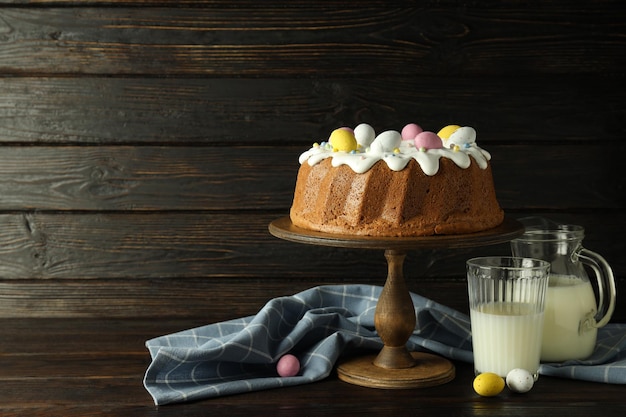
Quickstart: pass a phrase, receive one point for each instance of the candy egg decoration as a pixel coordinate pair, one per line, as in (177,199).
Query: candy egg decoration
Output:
(343,139)
(519,380)
(460,138)
(445,132)
(386,142)
(288,365)
(427,140)
(364,134)
(410,131)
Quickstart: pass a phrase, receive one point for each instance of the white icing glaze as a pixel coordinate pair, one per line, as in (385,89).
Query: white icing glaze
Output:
(397,153)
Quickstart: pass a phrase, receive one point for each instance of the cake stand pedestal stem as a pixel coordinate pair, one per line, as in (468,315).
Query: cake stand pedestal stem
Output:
(395,316)
(394,320)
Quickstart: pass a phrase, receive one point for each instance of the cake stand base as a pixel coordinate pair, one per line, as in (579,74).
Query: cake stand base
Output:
(429,370)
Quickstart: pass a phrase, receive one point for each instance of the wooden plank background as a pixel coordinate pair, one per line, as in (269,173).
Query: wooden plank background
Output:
(146,145)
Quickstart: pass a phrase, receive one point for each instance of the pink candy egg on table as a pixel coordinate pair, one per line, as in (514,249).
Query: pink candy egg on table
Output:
(288,365)
(428,140)
(410,131)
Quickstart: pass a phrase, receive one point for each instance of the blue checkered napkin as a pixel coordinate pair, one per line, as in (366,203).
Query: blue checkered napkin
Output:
(606,364)
(318,325)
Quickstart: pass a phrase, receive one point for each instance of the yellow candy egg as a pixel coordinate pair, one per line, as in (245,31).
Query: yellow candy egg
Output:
(343,140)
(488,384)
(447,131)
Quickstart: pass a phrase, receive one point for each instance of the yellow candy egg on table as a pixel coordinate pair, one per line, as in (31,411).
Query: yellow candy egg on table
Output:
(445,132)
(488,384)
(343,139)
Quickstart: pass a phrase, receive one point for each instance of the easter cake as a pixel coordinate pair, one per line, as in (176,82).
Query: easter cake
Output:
(408,183)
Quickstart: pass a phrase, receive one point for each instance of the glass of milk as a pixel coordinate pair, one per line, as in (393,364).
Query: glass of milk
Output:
(507,300)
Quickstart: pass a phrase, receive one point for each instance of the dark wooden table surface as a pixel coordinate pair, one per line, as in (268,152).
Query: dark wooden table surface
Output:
(94,367)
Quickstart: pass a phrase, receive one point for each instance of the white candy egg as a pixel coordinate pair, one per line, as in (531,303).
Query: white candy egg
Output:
(519,380)
(386,141)
(463,135)
(364,134)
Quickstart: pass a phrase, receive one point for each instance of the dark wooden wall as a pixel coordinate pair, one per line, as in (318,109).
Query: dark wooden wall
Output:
(145,146)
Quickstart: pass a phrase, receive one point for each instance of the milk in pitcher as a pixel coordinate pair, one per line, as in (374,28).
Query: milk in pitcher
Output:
(569,301)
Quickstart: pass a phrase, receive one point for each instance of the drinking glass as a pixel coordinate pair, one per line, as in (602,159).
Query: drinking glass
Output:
(507,300)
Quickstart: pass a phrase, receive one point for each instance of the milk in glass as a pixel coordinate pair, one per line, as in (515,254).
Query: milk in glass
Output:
(506,335)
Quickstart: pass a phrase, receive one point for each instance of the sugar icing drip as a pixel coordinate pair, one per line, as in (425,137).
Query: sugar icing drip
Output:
(361,148)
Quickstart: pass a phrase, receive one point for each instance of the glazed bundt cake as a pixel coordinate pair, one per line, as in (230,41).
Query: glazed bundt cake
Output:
(413,183)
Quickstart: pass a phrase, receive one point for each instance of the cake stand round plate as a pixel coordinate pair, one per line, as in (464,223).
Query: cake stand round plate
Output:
(509,229)
(394,367)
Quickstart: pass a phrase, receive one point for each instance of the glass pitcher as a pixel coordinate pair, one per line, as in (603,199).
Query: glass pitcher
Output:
(572,313)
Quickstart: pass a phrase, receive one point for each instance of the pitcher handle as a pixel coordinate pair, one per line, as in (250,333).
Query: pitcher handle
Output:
(606,283)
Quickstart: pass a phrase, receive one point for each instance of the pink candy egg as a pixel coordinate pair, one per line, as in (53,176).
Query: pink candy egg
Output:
(410,131)
(288,365)
(428,140)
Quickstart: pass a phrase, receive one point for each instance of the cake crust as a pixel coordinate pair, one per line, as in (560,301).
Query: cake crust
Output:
(381,202)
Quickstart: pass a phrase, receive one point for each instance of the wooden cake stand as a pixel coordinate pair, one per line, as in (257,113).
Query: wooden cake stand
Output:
(394,367)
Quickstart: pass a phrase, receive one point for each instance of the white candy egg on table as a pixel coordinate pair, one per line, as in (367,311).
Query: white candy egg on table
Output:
(519,380)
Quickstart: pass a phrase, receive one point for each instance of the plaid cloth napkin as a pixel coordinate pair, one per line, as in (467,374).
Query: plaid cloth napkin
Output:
(318,326)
